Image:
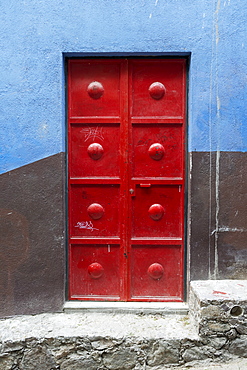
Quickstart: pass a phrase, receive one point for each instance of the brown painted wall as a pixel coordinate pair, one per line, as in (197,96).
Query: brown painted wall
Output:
(218,242)
(32,249)
(32,229)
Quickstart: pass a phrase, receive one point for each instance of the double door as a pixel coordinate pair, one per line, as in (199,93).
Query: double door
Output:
(126,171)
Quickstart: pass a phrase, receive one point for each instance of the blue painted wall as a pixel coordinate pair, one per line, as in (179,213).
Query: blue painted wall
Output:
(36,34)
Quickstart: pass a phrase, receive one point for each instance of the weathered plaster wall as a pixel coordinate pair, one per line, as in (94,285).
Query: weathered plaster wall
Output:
(32,232)
(218,216)
(35,38)
(35,34)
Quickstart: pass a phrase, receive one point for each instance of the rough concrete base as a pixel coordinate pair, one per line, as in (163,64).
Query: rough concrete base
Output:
(219,308)
(103,341)
(94,341)
(124,341)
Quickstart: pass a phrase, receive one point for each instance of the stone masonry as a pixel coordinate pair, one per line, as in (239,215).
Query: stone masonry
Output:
(219,310)
(215,331)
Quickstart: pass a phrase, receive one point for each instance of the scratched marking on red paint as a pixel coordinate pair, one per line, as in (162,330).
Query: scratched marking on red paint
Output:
(88,225)
(217,292)
(143,142)
(93,133)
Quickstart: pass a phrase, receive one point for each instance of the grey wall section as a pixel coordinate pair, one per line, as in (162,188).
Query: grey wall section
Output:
(32,249)
(218,200)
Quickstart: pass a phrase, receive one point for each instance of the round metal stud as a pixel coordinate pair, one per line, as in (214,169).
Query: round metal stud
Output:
(157,90)
(95,270)
(156,271)
(95,151)
(95,211)
(156,212)
(156,151)
(95,90)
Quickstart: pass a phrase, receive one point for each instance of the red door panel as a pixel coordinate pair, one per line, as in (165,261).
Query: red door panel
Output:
(93,152)
(126,171)
(158,89)
(157,212)
(94,210)
(95,269)
(96,89)
(156,272)
(157,151)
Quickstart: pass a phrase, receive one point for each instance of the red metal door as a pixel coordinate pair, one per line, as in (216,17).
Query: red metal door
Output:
(126,154)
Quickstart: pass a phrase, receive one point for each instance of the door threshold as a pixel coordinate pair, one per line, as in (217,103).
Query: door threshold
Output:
(164,308)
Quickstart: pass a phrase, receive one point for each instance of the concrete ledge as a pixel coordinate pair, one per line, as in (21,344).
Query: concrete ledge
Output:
(164,308)
(136,335)
(95,341)
(220,290)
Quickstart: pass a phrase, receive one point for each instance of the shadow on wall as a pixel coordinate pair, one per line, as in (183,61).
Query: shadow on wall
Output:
(14,246)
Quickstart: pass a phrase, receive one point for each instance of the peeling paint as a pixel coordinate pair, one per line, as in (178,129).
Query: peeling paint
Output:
(151,14)
(218,105)
(217,22)
(43,129)
(223,229)
(217,211)
(217,33)
(218,7)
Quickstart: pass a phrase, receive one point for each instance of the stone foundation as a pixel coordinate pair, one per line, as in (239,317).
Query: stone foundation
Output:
(214,332)
(218,309)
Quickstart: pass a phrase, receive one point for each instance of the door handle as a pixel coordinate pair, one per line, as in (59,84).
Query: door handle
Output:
(133,189)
